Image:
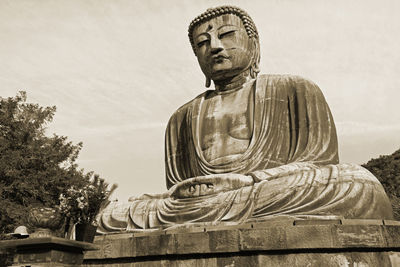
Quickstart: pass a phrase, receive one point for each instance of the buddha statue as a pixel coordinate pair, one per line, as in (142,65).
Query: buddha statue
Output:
(256,147)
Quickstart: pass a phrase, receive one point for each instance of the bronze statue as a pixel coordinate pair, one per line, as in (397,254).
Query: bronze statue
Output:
(258,146)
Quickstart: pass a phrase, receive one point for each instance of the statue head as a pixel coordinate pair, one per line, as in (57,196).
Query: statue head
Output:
(225,41)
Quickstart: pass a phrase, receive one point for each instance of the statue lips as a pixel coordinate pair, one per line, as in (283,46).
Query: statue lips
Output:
(220,63)
(219,58)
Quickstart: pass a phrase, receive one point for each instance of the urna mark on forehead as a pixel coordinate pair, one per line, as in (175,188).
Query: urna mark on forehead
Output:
(218,23)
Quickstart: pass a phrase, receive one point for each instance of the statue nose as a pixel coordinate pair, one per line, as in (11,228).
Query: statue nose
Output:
(216,50)
(216,45)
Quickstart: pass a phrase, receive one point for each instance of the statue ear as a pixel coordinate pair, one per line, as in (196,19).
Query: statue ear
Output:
(255,64)
(208,82)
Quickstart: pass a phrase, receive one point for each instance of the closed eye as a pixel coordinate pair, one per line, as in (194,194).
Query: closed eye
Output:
(225,34)
(200,44)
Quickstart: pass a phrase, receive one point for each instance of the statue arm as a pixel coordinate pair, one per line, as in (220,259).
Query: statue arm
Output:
(312,137)
(179,147)
(173,149)
(315,139)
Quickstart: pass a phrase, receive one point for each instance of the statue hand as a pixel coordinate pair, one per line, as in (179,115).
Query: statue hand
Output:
(280,171)
(210,184)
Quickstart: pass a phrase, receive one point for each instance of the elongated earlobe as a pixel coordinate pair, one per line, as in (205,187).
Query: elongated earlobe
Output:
(255,66)
(252,74)
(208,82)
(254,70)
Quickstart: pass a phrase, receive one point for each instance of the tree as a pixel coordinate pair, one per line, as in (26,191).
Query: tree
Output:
(387,170)
(34,168)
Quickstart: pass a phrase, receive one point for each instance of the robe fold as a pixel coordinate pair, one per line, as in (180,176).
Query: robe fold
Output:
(292,162)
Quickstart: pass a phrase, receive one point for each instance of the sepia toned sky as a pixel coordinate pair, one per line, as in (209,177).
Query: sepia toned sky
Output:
(117,70)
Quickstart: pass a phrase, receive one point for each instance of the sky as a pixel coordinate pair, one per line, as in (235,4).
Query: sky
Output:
(117,70)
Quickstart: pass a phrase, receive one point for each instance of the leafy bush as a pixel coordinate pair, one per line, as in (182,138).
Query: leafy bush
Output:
(34,168)
(387,170)
(81,205)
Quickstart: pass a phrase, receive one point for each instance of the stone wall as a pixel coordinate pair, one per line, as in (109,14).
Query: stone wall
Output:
(262,243)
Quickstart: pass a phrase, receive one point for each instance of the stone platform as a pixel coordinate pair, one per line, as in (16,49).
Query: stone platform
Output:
(44,251)
(261,243)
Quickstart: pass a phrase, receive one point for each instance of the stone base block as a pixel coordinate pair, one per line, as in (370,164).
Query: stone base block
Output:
(46,251)
(262,243)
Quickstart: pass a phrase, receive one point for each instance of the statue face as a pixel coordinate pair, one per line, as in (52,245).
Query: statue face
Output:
(223,47)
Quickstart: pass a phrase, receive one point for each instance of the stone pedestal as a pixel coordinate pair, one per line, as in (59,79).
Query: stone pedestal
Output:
(262,243)
(47,251)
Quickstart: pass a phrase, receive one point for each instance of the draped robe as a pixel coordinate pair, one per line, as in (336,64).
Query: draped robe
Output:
(290,168)
(292,123)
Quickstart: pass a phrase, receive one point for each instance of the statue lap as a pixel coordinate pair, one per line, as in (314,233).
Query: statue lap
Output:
(297,190)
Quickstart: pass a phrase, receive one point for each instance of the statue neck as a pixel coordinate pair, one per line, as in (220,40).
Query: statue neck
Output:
(232,84)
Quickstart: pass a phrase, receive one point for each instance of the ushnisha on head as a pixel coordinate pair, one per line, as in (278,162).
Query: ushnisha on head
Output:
(225,41)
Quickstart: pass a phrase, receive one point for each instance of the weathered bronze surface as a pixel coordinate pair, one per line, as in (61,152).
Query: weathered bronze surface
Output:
(256,146)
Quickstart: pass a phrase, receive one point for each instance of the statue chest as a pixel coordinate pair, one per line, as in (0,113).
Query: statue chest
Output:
(226,125)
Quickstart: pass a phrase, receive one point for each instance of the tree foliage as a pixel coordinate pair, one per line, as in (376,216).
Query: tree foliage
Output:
(34,168)
(387,170)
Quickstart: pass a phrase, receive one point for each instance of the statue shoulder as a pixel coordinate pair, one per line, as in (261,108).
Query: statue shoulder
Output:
(181,112)
(294,83)
(285,78)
